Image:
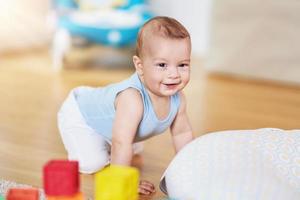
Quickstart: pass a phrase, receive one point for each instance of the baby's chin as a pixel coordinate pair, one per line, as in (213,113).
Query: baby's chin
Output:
(168,93)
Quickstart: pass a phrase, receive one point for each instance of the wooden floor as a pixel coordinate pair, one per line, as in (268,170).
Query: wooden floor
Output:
(31,95)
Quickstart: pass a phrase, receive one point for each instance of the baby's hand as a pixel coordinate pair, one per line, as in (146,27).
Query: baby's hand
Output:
(146,187)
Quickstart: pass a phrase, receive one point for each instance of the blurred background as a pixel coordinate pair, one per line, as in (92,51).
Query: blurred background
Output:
(249,38)
(245,69)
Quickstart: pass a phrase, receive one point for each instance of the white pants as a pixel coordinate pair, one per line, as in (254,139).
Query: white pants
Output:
(81,142)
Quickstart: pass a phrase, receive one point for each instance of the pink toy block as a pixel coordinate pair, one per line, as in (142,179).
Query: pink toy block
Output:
(61,178)
(22,194)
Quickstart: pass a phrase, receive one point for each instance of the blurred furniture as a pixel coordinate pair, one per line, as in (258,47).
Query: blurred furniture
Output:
(113,23)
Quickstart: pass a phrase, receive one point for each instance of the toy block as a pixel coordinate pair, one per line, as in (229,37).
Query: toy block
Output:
(117,183)
(77,196)
(22,194)
(61,178)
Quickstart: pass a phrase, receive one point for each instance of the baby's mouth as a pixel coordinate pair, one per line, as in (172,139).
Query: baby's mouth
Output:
(171,85)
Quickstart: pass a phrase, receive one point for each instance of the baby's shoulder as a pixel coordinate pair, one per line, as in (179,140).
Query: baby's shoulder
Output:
(129,100)
(131,92)
(131,95)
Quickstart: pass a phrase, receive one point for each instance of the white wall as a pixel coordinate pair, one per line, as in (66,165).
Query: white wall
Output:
(256,39)
(23,24)
(193,14)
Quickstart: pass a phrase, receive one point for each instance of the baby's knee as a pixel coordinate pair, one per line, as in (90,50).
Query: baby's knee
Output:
(90,166)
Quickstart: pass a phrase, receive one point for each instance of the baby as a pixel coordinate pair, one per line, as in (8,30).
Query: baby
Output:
(101,126)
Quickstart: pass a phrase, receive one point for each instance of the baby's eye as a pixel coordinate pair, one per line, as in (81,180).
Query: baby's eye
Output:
(162,64)
(183,65)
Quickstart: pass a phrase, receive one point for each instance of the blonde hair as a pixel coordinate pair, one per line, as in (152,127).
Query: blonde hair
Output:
(163,26)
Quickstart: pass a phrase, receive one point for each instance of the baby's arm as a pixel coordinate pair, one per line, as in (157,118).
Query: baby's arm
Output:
(181,129)
(129,111)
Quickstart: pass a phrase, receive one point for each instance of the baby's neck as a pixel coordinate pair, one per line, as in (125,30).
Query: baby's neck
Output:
(161,105)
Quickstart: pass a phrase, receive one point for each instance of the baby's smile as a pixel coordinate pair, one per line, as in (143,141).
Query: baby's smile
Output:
(171,85)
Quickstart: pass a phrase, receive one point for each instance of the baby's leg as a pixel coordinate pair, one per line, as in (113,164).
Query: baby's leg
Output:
(138,147)
(137,159)
(81,141)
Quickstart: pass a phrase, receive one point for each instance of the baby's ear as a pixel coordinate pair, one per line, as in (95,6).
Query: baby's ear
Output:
(138,65)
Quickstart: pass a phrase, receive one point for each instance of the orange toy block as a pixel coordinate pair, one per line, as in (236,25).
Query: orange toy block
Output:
(78,196)
(22,194)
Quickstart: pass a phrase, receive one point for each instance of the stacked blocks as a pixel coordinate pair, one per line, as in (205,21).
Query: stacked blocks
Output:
(22,194)
(61,180)
(117,183)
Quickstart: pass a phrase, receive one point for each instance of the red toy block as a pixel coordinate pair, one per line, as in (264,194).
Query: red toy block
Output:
(22,194)
(61,178)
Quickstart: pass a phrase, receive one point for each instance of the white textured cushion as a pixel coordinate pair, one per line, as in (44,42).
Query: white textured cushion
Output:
(243,165)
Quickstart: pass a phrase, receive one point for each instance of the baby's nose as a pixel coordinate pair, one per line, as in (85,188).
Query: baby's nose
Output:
(173,72)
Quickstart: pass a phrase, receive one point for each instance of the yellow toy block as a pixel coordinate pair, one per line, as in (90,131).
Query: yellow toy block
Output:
(78,196)
(117,183)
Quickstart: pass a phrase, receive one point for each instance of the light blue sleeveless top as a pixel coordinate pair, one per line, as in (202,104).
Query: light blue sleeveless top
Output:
(98,110)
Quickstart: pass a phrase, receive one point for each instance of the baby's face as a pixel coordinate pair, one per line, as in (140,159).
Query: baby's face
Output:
(166,65)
